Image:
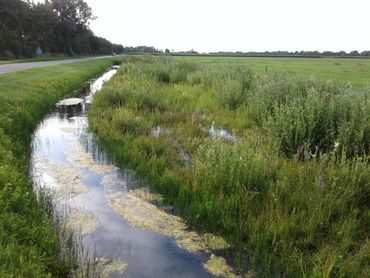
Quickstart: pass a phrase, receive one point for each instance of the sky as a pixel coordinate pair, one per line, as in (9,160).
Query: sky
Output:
(235,25)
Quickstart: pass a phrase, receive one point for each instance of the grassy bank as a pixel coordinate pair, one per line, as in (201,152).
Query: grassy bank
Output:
(353,70)
(29,244)
(291,192)
(39,59)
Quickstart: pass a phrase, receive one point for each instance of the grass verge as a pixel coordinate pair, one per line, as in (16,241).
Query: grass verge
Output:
(39,59)
(290,191)
(30,243)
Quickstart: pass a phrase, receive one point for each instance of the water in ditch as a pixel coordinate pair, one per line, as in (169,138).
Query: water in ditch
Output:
(120,222)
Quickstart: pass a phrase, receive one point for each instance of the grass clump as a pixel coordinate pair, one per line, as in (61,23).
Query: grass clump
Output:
(128,122)
(31,244)
(290,192)
(319,115)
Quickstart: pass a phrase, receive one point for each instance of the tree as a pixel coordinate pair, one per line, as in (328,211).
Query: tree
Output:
(56,26)
(74,17)
(14,30)
(44,23)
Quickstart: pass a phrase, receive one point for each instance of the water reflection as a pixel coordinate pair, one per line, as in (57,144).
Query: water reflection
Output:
(104,201)
(221,132)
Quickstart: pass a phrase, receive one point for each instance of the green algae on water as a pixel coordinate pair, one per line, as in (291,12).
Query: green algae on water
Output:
(78,157)
(135,205)
(81,221)
(107,267)
(62,180)
(217,265)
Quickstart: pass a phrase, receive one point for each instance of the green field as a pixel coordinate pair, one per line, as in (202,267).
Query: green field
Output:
(290,192)
(353,70)
(31,245)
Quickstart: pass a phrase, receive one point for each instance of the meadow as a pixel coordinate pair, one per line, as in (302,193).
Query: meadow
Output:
(347,70)
(289,189)
(31,242)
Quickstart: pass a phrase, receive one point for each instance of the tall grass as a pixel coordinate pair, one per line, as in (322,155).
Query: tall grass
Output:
(291,194)
(31,243)
(317,114)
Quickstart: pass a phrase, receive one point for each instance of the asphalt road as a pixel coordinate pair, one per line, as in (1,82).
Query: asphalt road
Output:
(23,66)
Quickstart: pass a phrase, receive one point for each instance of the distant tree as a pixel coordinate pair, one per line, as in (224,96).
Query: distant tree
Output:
(74,17)
(140,49)
(44,24)
(56,26)
(328,53)
(167,51)
(14,27)
(117,48)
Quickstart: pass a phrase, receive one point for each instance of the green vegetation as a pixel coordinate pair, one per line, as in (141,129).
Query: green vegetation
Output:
(28,29)
(39,59)
(30,243)
(291,192)
(352,70)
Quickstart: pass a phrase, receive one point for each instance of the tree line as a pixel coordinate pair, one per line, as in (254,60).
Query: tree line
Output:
(354,53)
(311,54)
(52,27)
(141,49)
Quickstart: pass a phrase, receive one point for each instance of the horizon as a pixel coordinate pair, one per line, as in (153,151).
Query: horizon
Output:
(235,25)
(246,52)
